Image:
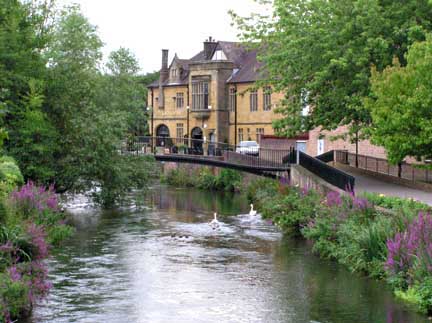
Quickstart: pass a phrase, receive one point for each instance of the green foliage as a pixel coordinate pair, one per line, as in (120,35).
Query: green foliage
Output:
(320,52)
(400,105)
(227,180)
(59,233)
(347,229)
(13,296)
(405,206)
(10,174)
(419,295)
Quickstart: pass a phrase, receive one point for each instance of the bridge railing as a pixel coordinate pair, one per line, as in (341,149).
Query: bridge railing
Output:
(197,148)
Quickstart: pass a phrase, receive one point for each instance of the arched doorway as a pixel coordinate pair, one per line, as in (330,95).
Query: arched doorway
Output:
(162,132)
(197,140)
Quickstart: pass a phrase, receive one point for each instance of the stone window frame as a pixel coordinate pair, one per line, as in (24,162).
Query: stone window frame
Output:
(253,101)
(179,100)
(232,99)
(240,134)
(259,134)
(267,101)
(179,133)
(200,93)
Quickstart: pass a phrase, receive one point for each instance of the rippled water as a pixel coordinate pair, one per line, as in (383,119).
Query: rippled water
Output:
(163,263)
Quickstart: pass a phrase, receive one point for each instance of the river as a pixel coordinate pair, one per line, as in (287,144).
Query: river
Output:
(162,262)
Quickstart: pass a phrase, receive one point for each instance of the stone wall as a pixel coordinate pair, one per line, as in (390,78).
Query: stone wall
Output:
(305,179)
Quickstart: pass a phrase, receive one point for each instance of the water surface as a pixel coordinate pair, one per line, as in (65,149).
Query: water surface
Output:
(163,263)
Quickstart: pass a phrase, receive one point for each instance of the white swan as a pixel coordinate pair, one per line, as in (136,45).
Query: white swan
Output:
(252,211)
(214,224)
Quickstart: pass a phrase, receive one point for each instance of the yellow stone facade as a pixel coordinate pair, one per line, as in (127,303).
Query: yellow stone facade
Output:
(249,124)
(219,115)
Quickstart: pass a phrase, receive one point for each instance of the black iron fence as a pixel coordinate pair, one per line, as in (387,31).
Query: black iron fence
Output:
(379,165)
(328,173)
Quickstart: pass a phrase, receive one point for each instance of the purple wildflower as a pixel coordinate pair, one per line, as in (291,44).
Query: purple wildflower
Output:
(334,199)
(411,249)
(37,235)
(14,274)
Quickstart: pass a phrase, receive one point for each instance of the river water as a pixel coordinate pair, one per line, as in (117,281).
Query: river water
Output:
(163,263)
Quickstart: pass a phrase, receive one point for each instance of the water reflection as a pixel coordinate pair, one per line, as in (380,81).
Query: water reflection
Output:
(130,266)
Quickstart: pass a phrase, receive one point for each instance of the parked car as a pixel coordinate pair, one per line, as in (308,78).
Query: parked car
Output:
(248,148)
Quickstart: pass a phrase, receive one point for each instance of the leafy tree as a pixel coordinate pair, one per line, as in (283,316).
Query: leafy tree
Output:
(92,111)
(123,90)
(326,48)
(401,105)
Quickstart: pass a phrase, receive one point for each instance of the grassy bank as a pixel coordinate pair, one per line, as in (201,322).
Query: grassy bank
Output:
(226,180)
(383,237)
(31,223)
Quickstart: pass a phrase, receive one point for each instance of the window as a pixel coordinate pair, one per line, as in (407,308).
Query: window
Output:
(254,101)
(232,99)
(259,133)
(174,73)
(180,100)
(240,135)
(267,99)
(179,133)
(248,135)
(219,55)
(200,95)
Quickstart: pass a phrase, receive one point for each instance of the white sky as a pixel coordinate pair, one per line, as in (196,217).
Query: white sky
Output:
(147,26)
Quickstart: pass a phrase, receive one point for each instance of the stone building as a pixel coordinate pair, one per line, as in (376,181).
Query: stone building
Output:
(211,96)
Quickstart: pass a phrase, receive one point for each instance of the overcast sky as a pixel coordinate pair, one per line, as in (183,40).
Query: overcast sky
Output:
(146,26)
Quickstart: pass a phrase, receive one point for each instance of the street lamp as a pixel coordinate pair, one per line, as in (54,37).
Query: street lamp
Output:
(187,125)
(149,108)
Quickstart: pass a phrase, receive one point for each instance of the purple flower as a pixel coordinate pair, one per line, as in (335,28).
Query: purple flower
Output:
(14,274)
(412,249)
(37,235)
(333,199)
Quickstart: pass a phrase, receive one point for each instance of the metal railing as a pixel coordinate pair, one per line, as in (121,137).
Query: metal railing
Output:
(197,148)
(382,166)
(317,165)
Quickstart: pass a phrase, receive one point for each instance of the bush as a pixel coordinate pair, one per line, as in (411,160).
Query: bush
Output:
(393,245)
(229,180)
(13,297)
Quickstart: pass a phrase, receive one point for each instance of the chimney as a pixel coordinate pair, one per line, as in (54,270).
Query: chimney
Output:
(209,47)
(163,76)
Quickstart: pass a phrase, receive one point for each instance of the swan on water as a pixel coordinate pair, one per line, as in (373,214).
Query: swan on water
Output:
(252,211)
(214,224)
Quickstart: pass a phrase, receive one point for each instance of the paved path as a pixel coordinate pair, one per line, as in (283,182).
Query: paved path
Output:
(371,184)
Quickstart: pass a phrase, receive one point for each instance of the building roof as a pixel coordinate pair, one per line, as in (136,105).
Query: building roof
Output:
(247,68)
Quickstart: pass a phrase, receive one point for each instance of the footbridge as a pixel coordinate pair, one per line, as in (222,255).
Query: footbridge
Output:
(252,159)
(273,163)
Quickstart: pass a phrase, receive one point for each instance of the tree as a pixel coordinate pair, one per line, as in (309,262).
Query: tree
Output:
(92,112)
(24,33)
(401,105)
(124,91)
(327,48)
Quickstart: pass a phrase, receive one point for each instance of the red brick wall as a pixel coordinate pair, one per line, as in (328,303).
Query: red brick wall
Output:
(365,147)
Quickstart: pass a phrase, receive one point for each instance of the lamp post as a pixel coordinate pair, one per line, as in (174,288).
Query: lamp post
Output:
(151,122)
(187,125)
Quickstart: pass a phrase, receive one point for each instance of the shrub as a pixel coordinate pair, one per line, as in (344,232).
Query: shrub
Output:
(410,252)
(33,201)
(229,180)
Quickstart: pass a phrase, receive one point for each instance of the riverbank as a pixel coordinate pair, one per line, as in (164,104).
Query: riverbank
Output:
(31,224)
(204,178)
(384,237)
